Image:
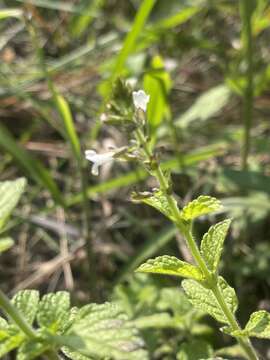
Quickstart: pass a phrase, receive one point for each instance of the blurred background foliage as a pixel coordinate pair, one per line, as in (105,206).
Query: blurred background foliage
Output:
(59,60)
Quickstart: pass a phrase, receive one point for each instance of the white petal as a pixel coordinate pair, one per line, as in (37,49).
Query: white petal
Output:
(140,99)
(98,159)
(94,170)
(90,155)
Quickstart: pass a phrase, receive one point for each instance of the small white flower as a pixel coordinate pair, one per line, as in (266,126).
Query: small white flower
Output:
(140,99)
(98,159)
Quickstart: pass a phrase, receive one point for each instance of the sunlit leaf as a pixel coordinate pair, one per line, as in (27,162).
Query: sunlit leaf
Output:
(201,206)
(203,299)
(26,301)
(212,243)
(106,332)
(170,265)
(257,326)
(53,310)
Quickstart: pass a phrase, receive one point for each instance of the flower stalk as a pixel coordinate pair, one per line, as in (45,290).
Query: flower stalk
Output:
(185,229)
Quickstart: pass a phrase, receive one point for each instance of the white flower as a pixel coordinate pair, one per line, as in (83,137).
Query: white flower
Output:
(140,99)
(98,159)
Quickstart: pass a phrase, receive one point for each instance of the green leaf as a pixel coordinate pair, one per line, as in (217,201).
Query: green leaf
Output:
(201,206)
(53,311)
(157,83)
(203,299)
(31,349)
(26,301)
(170,265)
(73,355)
(106,331)
(206,106)
(195,350)
(257,326)
(30,164)
(11,341)
(10,193)
(5,244)
(212,243)
(156,199)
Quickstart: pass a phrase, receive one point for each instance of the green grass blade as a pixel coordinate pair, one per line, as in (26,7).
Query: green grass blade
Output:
(131,38)
(54,5)
(6,13)
(30,164)
(65,113)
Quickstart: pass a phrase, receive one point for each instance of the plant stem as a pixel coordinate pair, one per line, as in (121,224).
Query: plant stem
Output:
(246,14)
(185,229)
(15,316)
(244,342)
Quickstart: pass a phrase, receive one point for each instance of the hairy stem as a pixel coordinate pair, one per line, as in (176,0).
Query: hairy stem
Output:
(246,14)
(11,311)
(186,231)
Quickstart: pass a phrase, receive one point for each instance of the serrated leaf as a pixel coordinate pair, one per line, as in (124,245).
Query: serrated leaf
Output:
(31,349)
(257,326)
(26,301)
(195,350)
(106,331)
(73,355)
(53,311)
(212,243)
(157,200)
(5,244)
(203,299)
(170,265)
(10,342)
(10,193)
(201,206)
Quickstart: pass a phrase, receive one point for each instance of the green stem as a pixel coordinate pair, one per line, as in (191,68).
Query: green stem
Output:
(185,229)
(244,342)
(246,14)
(15,316)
